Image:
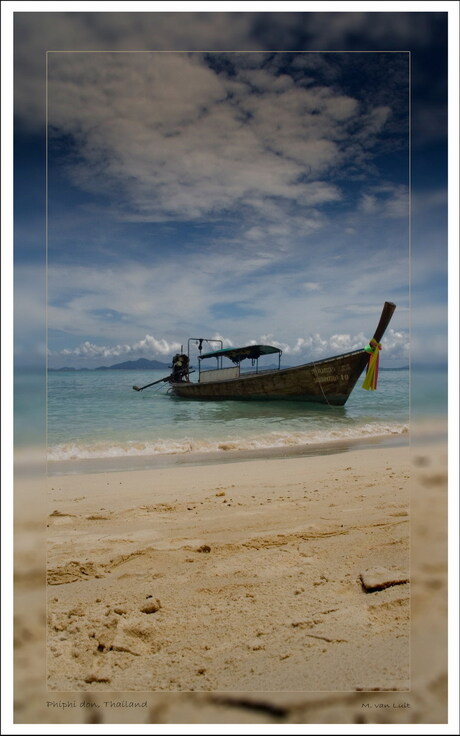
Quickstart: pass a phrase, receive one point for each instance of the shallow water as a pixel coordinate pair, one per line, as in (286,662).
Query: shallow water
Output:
(85,417)
(96,414)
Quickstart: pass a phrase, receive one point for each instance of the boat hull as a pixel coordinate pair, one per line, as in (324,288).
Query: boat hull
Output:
(327,381)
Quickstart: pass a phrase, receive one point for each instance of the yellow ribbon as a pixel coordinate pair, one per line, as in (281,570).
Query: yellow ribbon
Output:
(370,381)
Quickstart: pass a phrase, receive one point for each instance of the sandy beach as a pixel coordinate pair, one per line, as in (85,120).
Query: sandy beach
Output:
(277,590)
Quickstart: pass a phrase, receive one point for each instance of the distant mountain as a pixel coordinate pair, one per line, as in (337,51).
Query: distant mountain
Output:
(135,365)
(129,365)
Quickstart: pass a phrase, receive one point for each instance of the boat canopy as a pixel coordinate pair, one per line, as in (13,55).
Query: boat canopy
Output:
(238,354)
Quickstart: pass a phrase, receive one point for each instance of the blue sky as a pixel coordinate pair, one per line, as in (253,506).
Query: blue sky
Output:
(256,195)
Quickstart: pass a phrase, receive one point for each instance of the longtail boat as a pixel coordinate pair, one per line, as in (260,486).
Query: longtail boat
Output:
(327,381)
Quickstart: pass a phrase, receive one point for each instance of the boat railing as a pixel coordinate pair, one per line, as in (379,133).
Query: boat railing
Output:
(236,355)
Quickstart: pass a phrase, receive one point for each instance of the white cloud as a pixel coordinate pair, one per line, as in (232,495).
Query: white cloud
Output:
(149,346)
(287,291)
(168,138)
(313,347)
(385,201)
(395,200)
(219,31)
(368,203)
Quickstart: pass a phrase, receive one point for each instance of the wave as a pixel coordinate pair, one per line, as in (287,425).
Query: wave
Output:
(184,446)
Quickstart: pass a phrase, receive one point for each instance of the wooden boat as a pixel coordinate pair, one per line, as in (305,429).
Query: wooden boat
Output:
(328,381)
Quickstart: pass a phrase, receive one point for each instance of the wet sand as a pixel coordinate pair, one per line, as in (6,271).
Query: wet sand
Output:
(221,457)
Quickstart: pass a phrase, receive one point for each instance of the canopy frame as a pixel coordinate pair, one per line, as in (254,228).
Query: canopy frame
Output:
(237,355)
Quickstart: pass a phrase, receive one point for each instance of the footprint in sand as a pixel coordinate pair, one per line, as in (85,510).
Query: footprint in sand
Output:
(134,635)
(71,572)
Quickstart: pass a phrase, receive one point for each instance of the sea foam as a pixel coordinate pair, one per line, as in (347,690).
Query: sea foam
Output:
(186,445)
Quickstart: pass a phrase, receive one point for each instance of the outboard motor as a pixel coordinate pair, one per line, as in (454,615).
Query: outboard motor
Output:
(180,366)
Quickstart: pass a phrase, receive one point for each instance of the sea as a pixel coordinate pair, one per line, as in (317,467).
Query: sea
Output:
(93,420)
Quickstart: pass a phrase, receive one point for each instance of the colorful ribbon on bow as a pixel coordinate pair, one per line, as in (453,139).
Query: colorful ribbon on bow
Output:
(370,381)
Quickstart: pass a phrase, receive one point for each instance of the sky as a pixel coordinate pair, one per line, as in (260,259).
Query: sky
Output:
(256,177)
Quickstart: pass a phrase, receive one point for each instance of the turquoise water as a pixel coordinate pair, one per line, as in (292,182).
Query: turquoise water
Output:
(29,408)
(96,414)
